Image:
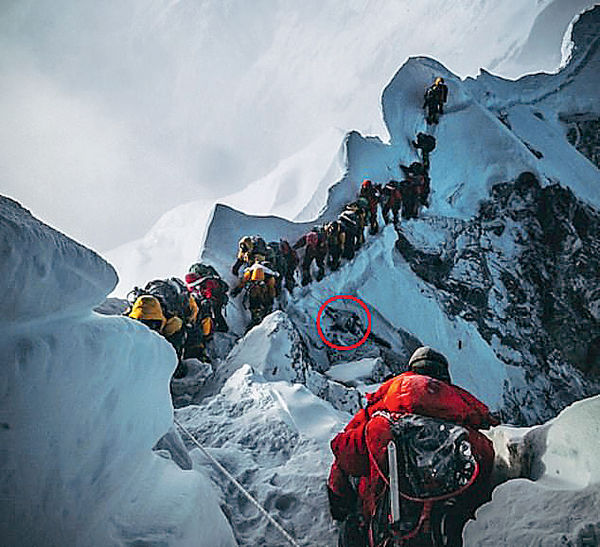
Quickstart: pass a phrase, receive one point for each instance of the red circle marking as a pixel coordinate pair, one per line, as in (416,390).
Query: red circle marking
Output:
(344,297)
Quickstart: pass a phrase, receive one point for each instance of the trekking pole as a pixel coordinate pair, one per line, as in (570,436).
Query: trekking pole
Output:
(278,526)
(394,484)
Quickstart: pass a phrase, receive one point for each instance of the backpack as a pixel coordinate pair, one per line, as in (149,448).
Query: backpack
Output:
(431,94)
(172,294)
(434,462)
(349,221)
(259,246)
(416,168)
(363,203)
(274,255)
(390,187)
(203,270)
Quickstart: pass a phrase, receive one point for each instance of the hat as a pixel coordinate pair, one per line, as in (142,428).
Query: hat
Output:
(426,360)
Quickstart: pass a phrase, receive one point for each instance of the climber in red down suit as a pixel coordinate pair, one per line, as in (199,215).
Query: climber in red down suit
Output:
(426,390)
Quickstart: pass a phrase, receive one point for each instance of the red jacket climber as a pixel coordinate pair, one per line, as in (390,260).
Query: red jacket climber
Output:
(370,192)
(361,449)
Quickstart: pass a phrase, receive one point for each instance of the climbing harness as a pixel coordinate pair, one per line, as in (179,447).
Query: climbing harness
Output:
(278,526)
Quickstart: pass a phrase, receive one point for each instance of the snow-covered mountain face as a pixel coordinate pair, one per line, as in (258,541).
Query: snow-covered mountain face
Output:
(555,500)
(137,107)
(500,272)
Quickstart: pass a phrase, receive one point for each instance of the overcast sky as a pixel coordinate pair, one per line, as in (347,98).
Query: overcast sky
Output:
(114,112)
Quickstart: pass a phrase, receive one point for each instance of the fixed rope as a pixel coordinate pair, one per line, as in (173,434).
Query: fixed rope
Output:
(278,526)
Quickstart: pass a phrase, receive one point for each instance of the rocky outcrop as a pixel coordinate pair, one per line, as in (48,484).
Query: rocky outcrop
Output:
(583,132)
(525,271)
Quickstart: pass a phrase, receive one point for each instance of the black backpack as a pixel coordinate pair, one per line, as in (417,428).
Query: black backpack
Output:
(259,246)
(172,295)
(389,188)
(434,463)
(431,95)
(349,221)
(203,270)
(274,255)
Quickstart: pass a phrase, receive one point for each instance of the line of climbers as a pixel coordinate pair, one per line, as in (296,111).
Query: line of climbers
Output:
(268,267)
(186,314)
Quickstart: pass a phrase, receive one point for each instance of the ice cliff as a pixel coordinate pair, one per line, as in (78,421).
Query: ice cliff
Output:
(84,399)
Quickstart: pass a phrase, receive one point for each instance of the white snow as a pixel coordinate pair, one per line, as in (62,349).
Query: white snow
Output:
(353,371)
(273,436)
(84,399)
(560,506)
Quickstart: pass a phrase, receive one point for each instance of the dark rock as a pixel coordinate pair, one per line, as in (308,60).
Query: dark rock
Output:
(525,270)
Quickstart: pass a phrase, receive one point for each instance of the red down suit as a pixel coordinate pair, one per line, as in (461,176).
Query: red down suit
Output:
(368,434)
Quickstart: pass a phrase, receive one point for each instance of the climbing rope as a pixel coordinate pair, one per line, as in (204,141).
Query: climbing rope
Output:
(278,526)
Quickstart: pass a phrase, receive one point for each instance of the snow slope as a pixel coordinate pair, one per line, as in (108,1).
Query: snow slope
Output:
(273,436)
(84,399)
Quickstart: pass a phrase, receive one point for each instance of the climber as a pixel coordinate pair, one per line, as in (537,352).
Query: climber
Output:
(391,201)
(336,241)
(414,188)
(250,249)
(435,97)
(369,192)
(349,224)
(315,243)
(147,310)
(205,284)
(274,260)
(425,143)
(199,332)
(360,450)
(260,283)
(359,210)
(166,301)
(289,262)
